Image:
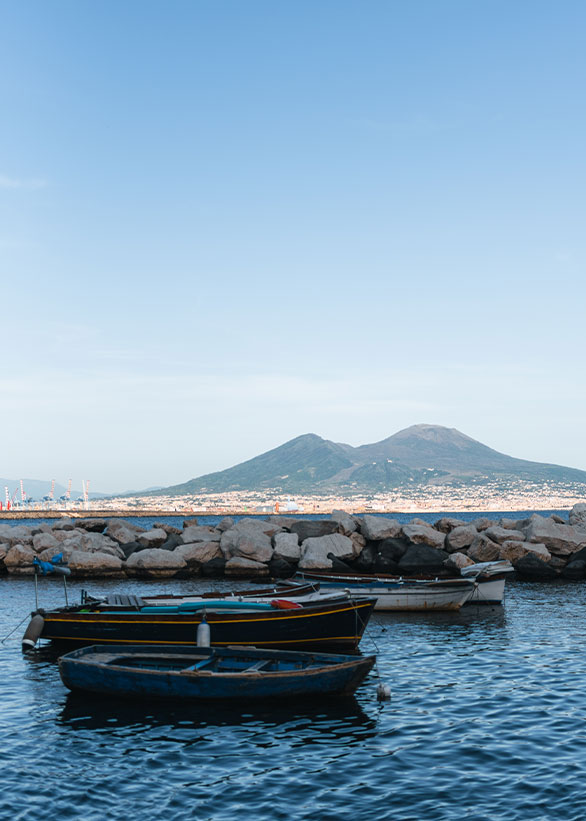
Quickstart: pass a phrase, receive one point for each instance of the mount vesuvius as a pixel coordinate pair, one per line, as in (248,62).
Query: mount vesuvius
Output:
(419,455)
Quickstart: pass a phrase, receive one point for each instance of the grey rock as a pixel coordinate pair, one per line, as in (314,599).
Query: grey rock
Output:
(446,524)
(155,563)
(152,538)
(64,524)
(577,516)
(198,553)
(16,534)
(287,546)
(504,534)
(190,523)
(560,540)
(348,524)
(200,533)
(246,544)
(280,568)
(213,569)
(513,551)
(19,560)
(422,558)
(484,549)
(377,528)
(313,528)
(94,564)
(574,570)
(92,525)
(558,519)
(456,561)
(225,524)
(393,549)
(532,567)
(243,567)
(44,540)
(256,526)
(120,533)
(424,534)
(315,550)
(173,540)
(482,523)
(170,530)
(460,537)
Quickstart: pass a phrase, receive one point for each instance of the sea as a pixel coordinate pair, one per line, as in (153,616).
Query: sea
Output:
(486,721)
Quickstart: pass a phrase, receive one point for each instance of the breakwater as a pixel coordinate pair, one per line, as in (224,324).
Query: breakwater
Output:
(539,547)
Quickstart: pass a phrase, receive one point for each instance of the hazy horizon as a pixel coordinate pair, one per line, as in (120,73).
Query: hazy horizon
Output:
(223,226)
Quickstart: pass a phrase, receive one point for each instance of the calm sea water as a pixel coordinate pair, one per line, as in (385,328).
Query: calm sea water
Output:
(487,721)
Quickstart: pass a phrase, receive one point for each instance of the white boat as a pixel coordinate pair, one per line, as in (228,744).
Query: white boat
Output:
(398,593)
(490,578)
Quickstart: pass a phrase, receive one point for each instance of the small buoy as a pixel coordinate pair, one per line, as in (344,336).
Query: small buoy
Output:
(203,633)
(33,632)
(383,692)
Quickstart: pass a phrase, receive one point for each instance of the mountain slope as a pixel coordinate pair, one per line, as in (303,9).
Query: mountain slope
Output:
(421,454)
(305,461)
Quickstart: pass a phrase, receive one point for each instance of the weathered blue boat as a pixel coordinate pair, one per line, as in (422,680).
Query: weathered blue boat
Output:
(189,672)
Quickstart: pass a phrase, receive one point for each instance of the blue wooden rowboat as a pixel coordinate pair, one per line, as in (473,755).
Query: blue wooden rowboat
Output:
(188,672)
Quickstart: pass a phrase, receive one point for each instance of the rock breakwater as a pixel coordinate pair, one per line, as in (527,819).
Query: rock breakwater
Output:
(538,547)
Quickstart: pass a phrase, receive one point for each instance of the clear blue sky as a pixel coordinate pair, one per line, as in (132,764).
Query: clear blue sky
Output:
(225,224)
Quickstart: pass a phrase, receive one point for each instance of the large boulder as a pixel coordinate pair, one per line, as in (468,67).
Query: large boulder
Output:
(315,551)
(225,524)
(377,528)
(313,528)
(92,525)
(121,533)
(365,563)
(66,535)
(199,553)
(64,524)
(94,564)
(460,537)
(249,544)
(561,540)
(155,564)
(532,567)
(446,524)
(348,524)
(200,533)
(514,550)
(577,516)
(574,569)
(482,523)
(247,568)
(456,561)
(424,534)
(422,558)
(170,530)
(41,541)
(19,560)
(287,546)
(17,534)
(253,526)
(393,549)
(152,538)
(503,534)
(484,549)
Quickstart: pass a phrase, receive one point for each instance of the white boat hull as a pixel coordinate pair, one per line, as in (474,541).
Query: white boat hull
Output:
(491,591)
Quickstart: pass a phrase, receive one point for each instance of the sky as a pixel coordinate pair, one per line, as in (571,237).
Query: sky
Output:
(226,224)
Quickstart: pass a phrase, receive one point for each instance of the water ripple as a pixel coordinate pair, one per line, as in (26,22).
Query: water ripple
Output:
(487,721)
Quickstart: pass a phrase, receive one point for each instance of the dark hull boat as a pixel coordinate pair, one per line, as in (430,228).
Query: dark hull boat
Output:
(210,673)
(337,624)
